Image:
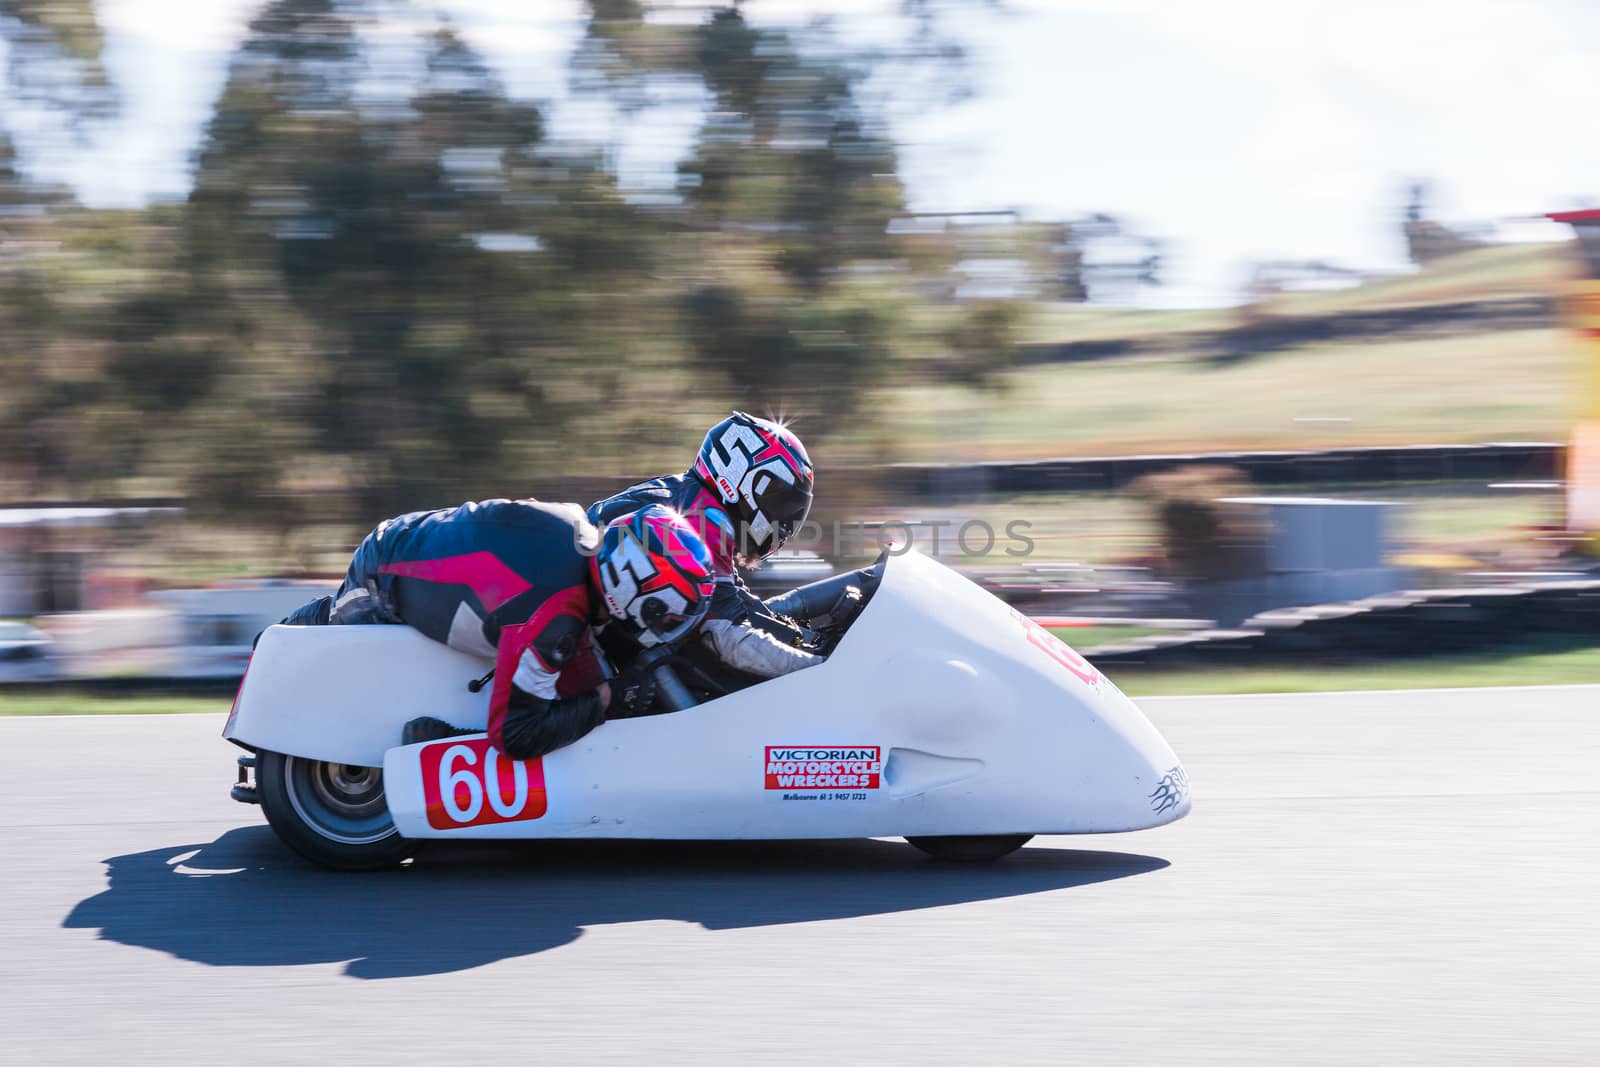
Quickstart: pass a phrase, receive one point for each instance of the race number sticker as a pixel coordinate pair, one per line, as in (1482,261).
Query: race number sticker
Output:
(1058,650)
(816,772)
(469,783)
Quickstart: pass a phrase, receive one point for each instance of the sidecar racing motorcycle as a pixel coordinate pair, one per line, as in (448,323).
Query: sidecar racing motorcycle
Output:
(941,716)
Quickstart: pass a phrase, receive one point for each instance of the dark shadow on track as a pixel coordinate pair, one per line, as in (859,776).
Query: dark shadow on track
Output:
(243,901)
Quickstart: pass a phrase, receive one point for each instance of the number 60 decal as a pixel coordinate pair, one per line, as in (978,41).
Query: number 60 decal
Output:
(469,783)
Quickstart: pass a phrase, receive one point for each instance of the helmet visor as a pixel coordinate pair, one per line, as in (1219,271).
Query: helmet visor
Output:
(784,508)
(663,627)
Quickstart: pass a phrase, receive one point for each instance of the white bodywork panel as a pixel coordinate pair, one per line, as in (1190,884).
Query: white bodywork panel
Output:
(981,724)
(342,693)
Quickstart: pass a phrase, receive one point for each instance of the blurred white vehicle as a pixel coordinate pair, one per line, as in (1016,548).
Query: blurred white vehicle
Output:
(216,626)
(27,654)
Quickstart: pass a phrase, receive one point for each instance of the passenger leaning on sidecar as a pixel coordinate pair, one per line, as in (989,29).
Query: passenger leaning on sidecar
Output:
(747,492)
(523,582)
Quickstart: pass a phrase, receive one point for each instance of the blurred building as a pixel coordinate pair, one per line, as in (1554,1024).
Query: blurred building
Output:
(217,627)
(48,554)
(1315,551)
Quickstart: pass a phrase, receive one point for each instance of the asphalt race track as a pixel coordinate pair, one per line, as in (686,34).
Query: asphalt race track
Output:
(1367,878)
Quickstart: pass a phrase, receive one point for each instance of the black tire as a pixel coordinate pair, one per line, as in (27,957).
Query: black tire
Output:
(332,814)
(971,849)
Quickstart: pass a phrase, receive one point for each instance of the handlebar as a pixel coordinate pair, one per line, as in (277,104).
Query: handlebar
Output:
(670,690)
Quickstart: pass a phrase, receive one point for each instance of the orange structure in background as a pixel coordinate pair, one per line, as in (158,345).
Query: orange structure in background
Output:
(1583,312)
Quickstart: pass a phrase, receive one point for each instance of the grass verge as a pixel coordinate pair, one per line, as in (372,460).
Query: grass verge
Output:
(1570,666)
(1084,638)
(78,702)
(1382,391)
(1577,666)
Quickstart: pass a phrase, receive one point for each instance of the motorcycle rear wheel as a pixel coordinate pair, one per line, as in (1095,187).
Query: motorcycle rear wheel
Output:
(333,814)
(975,848)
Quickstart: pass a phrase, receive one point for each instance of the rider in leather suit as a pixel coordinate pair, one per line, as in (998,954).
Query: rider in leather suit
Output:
(524,582)
(747,492)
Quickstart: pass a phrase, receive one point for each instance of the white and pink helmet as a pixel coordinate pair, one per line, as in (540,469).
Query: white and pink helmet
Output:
(762,475)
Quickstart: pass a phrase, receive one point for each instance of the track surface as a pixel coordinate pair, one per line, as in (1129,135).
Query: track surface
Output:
(1367,878)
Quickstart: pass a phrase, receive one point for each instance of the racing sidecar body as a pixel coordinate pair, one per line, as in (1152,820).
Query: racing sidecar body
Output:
(942,715)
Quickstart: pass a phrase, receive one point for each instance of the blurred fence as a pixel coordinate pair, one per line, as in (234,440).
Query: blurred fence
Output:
(1516,461)
(952,482)
(1437,621)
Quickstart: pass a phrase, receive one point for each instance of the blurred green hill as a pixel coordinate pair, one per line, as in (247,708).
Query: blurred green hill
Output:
(1466,349)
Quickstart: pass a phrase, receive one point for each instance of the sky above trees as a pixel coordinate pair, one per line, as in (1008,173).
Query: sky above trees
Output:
(1238,130)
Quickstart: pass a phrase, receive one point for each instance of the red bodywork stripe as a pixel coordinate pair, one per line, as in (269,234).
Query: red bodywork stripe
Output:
(482,572)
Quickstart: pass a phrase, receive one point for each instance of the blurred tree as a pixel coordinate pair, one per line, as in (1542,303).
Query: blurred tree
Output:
(390,289)
(1206,534)
(432,253)
(789,151)
(624,57)
(983,344)
(818,357)
(29,323)
(59,420)
(53,56)
(790,189)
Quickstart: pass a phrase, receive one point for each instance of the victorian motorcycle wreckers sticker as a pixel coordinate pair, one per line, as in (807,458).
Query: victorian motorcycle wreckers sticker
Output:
(469,783)
(824,772)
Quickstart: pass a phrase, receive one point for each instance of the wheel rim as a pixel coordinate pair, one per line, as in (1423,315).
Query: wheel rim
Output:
(341,802)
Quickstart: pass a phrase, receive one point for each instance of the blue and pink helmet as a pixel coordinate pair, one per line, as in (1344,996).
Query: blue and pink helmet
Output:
(655,574)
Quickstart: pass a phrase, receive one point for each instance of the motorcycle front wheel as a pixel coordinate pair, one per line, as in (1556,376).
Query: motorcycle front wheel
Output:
(333,814)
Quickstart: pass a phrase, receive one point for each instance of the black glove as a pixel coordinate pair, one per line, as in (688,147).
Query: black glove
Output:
(843,609)
(832,624)
(427,728)
(633,692)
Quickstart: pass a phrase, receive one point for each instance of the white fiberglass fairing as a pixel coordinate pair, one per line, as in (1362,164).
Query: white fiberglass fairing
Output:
(942,712)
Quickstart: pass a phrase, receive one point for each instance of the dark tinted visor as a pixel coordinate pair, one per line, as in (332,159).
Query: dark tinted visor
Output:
(785,506)
(668,626)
